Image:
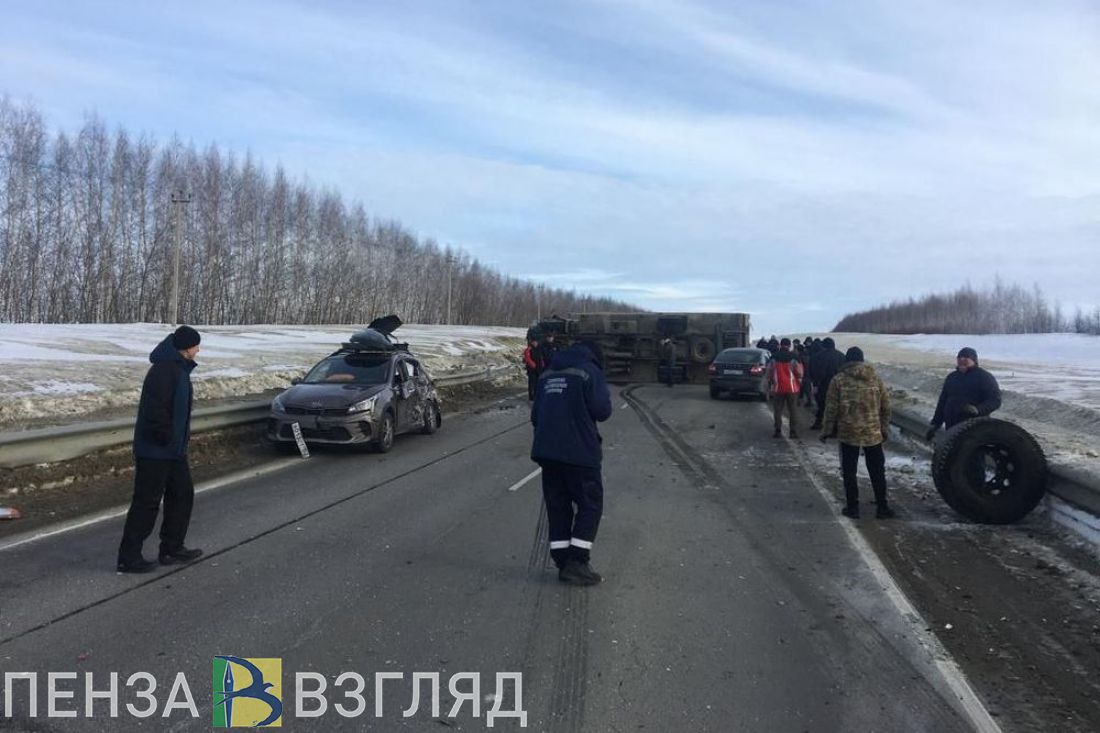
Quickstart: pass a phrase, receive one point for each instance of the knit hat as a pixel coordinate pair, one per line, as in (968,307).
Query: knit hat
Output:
(785,341)
(967,353)
(854,354)
(185,338)
(828,342)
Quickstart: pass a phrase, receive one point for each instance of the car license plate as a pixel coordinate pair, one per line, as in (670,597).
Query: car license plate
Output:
(733,371)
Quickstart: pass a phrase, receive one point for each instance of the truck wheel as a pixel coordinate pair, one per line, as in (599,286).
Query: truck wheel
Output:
(702,349)
(990,471)
(715,393)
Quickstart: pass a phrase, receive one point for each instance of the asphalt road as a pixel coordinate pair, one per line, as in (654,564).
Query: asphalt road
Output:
(734,599)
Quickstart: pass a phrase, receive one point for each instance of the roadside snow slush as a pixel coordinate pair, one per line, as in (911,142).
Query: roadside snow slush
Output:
(57,374)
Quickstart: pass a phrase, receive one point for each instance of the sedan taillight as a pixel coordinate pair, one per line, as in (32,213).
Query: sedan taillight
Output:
(712,369)
(756,370)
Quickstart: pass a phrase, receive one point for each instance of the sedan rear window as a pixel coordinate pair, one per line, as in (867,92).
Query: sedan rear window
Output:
(739,357)
(349,369)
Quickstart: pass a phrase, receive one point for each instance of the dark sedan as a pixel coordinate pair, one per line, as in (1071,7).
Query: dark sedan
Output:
(740,371)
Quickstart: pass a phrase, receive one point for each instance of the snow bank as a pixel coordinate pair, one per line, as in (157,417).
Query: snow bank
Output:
(58,372)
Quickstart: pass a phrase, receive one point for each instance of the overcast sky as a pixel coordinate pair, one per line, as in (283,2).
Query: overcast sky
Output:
(797,160)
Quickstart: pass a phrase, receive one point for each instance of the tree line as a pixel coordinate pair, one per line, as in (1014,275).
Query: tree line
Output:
(87,236)
(999,309)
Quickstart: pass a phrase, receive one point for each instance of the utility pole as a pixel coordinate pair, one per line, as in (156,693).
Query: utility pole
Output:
(179,198)
(450,266)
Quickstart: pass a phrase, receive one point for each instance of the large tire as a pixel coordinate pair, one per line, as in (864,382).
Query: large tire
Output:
(715,393)
(990,471)
(702,350)
(386,433)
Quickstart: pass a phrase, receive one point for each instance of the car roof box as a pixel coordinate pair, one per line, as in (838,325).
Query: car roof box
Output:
(385,324)
(378,336)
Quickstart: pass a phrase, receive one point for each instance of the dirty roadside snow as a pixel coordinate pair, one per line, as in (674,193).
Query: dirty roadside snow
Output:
(59,373)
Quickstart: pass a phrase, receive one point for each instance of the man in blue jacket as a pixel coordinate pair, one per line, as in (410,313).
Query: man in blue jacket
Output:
(161,435)
(572,396)
(969,391)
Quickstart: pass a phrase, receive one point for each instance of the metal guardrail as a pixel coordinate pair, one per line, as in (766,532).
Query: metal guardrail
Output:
(49,445)
(1066,482)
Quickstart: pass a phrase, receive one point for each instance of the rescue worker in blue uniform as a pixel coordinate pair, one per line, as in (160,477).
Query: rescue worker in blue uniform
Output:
(571,397)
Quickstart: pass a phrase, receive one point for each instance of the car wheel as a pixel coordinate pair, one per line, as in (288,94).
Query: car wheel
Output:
(715,393)
(990,471)
(432,418)
(385,433)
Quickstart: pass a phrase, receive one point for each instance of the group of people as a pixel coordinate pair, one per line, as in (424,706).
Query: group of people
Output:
(569,397)
(851,403)
(537,357)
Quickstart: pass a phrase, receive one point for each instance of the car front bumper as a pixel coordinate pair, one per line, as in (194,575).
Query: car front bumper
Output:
(334,430)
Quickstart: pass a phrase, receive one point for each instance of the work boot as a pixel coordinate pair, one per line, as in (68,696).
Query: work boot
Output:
(141,565)
(181,555)
(777,434)
(579,573)
(793,435)
(851,511)
(816,425)
(884,512)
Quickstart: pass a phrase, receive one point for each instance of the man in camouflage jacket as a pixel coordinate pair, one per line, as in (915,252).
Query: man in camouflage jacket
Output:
(857,411)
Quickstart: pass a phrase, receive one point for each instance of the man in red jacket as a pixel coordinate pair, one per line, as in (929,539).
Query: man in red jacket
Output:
(531,361)
(784,384)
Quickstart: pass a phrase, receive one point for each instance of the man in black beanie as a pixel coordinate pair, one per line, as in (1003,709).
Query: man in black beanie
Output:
(161,435)
(969,391)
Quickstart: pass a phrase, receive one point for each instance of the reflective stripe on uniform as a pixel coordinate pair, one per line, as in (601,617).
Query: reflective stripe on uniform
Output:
(559,544)
(583,544)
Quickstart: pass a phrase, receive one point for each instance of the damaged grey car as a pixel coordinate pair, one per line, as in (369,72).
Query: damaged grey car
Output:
(366,393)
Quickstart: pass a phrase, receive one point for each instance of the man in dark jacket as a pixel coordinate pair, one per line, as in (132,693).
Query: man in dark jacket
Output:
(824,365)
(161,435)
(532,362)
(572,397)
(969,391)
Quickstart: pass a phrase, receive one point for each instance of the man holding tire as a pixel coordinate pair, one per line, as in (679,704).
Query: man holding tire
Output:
(968,392)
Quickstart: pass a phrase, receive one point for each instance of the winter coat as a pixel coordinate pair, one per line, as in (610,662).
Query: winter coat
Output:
(857,406)
(975,387)
(571,397)
(784,373)
(824,365)
(163,427)
(531,358)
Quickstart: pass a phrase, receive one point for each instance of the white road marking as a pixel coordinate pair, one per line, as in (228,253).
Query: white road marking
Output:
(525,479)
(120,511)
(952,674)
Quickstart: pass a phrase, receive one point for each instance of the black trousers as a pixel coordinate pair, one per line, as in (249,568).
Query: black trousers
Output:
(532,382)
(820,393)
(875,460)
(154,479)
(574,505)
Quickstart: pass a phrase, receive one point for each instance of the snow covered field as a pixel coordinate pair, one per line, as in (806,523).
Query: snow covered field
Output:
(56,373)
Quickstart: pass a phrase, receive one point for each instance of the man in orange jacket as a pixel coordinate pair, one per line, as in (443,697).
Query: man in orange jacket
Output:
(784,384)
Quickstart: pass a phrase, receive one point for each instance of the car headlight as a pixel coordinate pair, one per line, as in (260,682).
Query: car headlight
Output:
(365,406)
(277,404)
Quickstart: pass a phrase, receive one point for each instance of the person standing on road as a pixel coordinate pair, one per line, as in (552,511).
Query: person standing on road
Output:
(531,359)
(857,411)
(824,366)
(546,351)
(668,348)
(967,392)
(784,384)
(161,435)
(572,396)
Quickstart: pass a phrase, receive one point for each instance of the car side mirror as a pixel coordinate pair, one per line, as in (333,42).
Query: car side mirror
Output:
(296,380)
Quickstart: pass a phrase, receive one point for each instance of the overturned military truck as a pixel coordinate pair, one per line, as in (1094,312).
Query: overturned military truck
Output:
(636,346)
